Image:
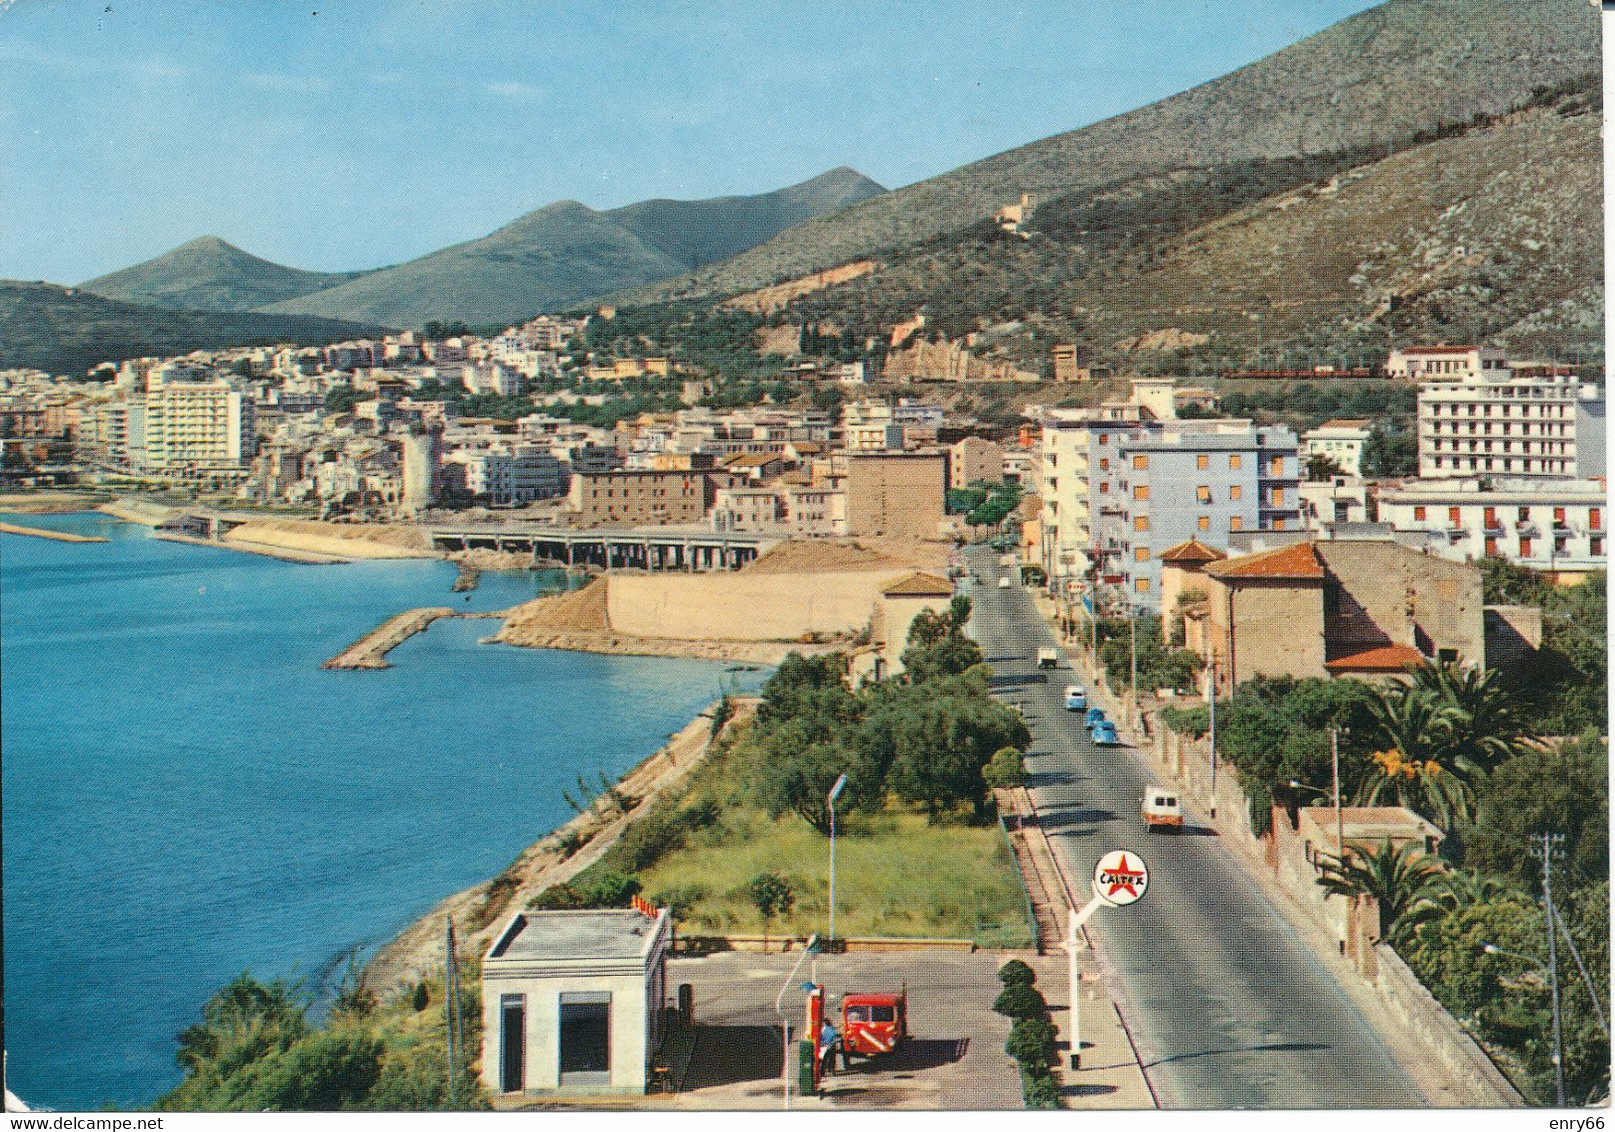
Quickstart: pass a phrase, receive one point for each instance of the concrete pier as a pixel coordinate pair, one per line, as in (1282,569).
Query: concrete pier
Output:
(370,650)
(58,536)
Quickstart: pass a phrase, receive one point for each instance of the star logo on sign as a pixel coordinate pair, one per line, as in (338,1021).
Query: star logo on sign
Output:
(1121,878)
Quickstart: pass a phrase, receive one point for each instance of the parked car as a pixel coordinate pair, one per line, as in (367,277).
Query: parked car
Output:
(1075,697)
(1104,735)
(1048,658)
(1095,716)
(1003,583)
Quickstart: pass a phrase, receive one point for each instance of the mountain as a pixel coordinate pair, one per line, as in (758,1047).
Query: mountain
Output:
(209,274)
(1375,78)
(65,331)
(567,253)
(705,231)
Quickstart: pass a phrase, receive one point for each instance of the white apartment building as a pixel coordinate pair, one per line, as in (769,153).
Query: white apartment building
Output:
(1554,525)
(1447,363)
(197,425)
(868,426)
(1340,440)
(509,477)
(494,378)
(1500,424)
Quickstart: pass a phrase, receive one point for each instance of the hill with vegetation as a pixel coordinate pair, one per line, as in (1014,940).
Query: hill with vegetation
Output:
(66,331)
(1372,80)
(209,274)
(1475,231)
(567,253)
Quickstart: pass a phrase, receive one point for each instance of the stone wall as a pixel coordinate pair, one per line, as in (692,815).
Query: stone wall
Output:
(1440,1035)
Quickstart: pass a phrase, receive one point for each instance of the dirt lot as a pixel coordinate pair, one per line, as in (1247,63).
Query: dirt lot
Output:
(955,1059)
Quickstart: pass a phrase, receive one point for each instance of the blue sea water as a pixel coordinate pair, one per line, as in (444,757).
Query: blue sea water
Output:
(186,794)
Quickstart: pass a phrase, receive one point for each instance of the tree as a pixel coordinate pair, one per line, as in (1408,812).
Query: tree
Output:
(772,895)
(1322,467)
(1020,1000)
(1402,881)
(1017,972)
(1544,790)
(1389,453)
(243,1020)
(937,646)
(944,738)
(1005,769)
(1416,770)
(1031,1042)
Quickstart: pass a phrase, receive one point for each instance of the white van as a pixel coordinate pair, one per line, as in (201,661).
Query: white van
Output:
(1161,809)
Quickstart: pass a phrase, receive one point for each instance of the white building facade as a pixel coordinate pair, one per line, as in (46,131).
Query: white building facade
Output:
(1554,525)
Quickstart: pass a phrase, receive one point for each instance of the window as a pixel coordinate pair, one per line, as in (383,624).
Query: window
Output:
(1141,523)
(1524,514)
(1141,492)
(1278,524)
(1278,497)
(1104,438)
(1202,461)
(1204,523)
(1234,461)
(1236,492)
(1595,518)
(1277,467)
(1104,465)
(1525,548)
(1141,554)
(1140,463)
(1104,489)
(1141,585)
(1235,523)
(585,1038)
(1418,514)
(1453,517)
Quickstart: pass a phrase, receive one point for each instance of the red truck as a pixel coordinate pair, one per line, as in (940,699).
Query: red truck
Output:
(873,1024)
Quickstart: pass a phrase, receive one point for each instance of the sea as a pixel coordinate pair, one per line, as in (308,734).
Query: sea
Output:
(186,795)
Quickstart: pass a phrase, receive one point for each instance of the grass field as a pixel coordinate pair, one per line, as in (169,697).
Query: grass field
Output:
(896,875)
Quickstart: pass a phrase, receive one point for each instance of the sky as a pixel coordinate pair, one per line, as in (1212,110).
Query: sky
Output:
(336,135)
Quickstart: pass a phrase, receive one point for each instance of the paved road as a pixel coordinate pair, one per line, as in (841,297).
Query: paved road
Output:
(1230,1006)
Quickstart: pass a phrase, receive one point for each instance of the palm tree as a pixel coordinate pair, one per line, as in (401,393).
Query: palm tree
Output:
(1459,889)
(1404,882)
(1484,729)
(1420,768)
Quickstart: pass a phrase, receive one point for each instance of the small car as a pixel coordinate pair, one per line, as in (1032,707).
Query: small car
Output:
(1075,698)
(1104,735)
(1095,716)
(1003,583)
(1161,810)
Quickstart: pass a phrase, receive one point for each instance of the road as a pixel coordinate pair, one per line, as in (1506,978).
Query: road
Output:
(1229,1005)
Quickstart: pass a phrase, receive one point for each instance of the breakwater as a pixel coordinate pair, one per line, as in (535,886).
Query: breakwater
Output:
(370,650)
(59,536)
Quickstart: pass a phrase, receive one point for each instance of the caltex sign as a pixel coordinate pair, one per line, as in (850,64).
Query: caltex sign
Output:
(1120,878)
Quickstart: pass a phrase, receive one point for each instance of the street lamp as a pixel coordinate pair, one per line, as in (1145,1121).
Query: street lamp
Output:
(812,948)
(1553,983)
(835,792)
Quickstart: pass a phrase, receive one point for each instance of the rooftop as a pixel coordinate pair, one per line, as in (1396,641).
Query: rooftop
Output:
(918,585)
(561,935)
(1362,823)
(1385,658)
(1192,551)
(1298,561)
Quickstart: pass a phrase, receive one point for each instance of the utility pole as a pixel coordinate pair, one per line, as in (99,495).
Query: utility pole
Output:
(450,1000)
(1212,669)
(1340,826)
(1550,845)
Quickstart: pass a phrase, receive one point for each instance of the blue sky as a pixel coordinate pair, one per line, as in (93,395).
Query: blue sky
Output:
(336,135)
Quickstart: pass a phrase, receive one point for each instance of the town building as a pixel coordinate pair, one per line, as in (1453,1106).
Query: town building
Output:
(1123,482)
(197,425)
(1446,363)
(975,460)
(1546,524)
(1494,422)
(900,603)
(575,1001)
(1335,607)
(643,498)
(509,476)
(898,494)
(1341,441)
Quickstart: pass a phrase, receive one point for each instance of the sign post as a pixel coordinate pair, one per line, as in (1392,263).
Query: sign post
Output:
(1119,879)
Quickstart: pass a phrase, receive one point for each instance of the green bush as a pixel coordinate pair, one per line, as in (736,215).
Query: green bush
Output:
(1038,1090)
(419,1000)
(1006,768)
(1016,973)
(1018,1000)
(1031,1041)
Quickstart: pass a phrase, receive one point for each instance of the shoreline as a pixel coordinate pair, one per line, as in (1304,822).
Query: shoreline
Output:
(40,532)
(417,950)
(769,653)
